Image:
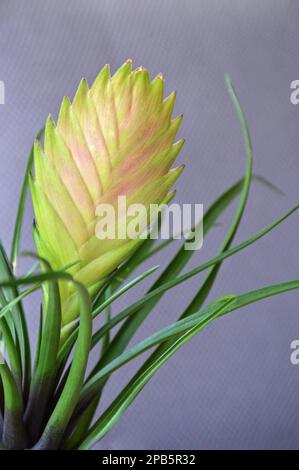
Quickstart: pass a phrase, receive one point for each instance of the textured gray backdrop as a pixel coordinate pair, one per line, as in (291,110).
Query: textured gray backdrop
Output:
(233,386)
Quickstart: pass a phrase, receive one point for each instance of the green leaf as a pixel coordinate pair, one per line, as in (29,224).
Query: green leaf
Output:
(179,261)
(17,317)
(159,337)
(107,316)
(43,380)
(59,275)
(183,324)
(131,310)
(143,256)
(123,290)
(158,358)
(68,344)
(82,427)
(165,286)
(13,353)
(39,337)
(13,302)
(240,301)
(117,346)
(15,248)
(13,435)
(124,399)
(59,419)
(207,285)
(260,294)
(22,295)
(36,279)
(141,251)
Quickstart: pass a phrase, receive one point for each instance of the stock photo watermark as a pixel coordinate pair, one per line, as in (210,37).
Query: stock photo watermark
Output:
(135,221)
(294,357)
(2,92)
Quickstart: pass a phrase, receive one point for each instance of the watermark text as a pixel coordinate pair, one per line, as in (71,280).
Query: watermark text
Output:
(2,92)
(135,221)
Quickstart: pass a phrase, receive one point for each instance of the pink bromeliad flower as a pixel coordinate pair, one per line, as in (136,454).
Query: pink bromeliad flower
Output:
(115,139)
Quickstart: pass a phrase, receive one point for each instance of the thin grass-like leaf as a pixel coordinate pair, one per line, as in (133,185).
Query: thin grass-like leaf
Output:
(18,318)
(39,337)
(124,399)
(155,361)
(179,261)
(129,311)
(135,307)
(123,290)
(15,248)
(130,327)
(107,318)
(150,253)
(181,325)
(159,337)
(208,283)
(68,344)
(13,353)
(14,434)
(12,303)
(43,384)
(59,419)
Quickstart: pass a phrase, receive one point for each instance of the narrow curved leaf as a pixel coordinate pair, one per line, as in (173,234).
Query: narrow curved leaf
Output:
(118,407)
(15,248)
(155,361)
(159,337)
(207,285)
(59,419)
(132,309)
(14,435)
(43,380)
(16,317)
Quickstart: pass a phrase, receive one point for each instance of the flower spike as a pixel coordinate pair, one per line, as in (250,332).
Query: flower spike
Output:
(115,139)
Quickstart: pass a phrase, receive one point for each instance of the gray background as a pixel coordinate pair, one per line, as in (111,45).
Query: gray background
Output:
(233,386)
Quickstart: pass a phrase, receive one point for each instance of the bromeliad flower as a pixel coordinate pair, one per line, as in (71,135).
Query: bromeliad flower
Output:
(115,139)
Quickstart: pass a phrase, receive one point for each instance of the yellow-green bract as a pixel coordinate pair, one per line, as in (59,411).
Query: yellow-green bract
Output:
(114,139)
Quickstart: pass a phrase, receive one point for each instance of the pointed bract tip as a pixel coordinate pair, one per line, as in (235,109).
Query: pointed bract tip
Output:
(83,81)
(36,145)
(141,69)
(65,109)
(160,76)
(50,120)
(129,61)
(65,102)
(106,69)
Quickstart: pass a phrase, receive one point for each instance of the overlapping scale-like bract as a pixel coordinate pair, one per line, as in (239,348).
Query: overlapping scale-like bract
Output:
(114,139)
